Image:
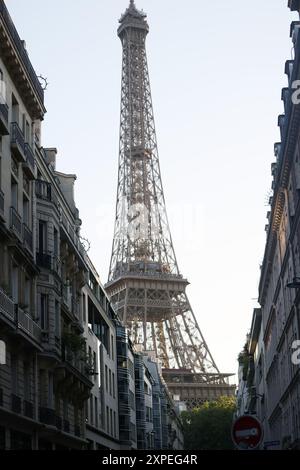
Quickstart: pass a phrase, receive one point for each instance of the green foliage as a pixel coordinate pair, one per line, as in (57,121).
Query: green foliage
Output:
(76,343)
(209,427)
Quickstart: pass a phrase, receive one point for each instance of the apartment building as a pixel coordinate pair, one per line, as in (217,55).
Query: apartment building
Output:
(21,112)
(273,378)
(102,412)
(69,375)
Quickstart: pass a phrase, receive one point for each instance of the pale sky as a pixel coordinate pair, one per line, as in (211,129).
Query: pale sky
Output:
(216,71)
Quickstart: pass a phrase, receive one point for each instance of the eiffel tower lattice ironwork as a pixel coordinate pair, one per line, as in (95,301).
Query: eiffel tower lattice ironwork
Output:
(145,285)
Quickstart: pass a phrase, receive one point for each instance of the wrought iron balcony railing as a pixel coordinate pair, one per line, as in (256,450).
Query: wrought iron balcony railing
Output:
(48,261)
(28,325)
(5,16)
(4,129)
(30,159)
(28,238)
(7,307)
(43,190)
(17,141)
(16,222)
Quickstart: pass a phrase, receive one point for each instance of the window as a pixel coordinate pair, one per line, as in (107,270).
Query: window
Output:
(106,379)
(94,363)
(112,347)
(110,389)
(57,319)
(44,311)
(27,293)
(42,236)
(15,283)
(148,414)
(113,384)
(84,308)
(96,412)
(27,380)
(14,374)
(115,429)
(131,368)
(91,410)
(107,420)
(111,422)
(131,400)
(55,247)
(15,110)
(26,213)
(14,194)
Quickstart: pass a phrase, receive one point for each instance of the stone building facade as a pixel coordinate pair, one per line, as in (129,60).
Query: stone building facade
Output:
(69,376)
(274,377)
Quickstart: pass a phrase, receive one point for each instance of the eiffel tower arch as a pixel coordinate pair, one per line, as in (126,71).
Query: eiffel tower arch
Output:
(146,287)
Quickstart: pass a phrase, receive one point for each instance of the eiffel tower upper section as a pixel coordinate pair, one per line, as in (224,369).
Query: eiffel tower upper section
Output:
(144,282)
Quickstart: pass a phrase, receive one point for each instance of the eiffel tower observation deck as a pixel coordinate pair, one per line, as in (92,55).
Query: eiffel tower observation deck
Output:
(145,285)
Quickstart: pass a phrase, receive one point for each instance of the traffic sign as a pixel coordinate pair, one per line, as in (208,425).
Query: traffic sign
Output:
(247,433)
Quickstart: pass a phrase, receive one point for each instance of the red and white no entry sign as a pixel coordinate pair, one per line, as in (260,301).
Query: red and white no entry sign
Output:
(247,433)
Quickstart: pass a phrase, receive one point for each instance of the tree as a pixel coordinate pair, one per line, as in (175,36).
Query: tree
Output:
(209,426)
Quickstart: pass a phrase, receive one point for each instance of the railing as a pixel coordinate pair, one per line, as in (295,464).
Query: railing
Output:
(43,190)
(21,50)
(17,136)
(68,298)
(27,237)
(73,235)
(15,168)
(7,306)
(47,261)
(16,221)
(1,202)
(26,184)
(26,323)
(4,112)
(30,159)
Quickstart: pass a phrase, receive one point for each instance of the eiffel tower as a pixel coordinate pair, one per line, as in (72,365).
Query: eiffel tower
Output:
(145,285)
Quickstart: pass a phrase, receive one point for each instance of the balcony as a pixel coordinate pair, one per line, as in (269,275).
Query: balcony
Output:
(4,127)
(26,324)
(29,165)
(16,223)
(7,307)
(48,261)
(27,238)
(17,142)
(43,190)
(1,204)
